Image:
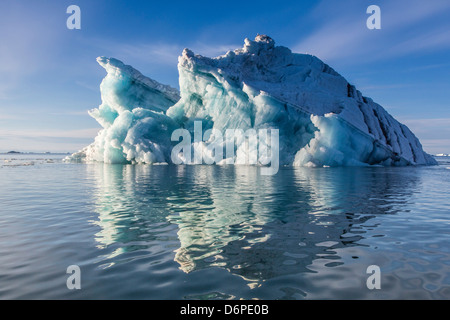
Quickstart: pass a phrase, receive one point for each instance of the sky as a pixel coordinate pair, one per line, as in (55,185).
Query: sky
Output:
(50,77)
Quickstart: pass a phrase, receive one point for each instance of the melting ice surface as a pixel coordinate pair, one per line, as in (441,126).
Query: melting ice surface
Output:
(322,119)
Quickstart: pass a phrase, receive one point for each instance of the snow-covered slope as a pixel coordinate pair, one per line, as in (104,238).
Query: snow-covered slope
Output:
(322,119)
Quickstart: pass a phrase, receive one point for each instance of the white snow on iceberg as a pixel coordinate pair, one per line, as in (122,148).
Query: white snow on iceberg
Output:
(322,119)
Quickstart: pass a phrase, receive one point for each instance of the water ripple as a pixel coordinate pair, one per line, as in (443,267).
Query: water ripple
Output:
(211,232)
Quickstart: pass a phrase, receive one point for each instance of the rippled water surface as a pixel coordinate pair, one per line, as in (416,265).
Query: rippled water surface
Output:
(210,232)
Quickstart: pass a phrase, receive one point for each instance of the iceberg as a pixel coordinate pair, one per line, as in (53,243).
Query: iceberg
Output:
(133,117)
(320,118)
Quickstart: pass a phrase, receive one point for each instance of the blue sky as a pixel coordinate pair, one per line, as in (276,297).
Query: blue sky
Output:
(50,78)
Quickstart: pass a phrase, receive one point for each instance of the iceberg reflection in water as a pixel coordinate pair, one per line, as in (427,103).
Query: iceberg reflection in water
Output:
(302,233)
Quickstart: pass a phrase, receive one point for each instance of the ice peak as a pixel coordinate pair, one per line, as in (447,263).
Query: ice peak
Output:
(187,53)
(265,38)
(112,65)
(261,42)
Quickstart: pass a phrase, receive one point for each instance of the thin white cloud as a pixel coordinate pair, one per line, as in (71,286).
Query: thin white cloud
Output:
(423,124)
(88,86)
(436,146)
(46,140)
(157,53)
(37,134)
(83,113)
(436,39)
(160,53)
(8,117)
(385,86)
(434,134)
(405,13)
(428,67)
(344,36)
(211,50)
(27,43)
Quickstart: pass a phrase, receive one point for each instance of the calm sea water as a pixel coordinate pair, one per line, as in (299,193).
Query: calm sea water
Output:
(210,232)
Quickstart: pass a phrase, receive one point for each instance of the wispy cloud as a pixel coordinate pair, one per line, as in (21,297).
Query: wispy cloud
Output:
(46,140)
(40,134)
(157,53)
(160,53)
(9,117)
(422,125)
(435,146)
(434,39)
(87,86)
(213,50)
(428,67)
(70,113)
(386,86)
(27,42)
(157,60)
(345,37)
(434,134)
